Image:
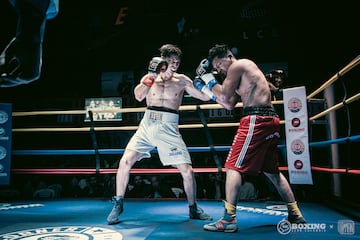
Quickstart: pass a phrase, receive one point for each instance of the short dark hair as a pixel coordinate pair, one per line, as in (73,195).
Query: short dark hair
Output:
(219,50)
(168,50)
(279,73)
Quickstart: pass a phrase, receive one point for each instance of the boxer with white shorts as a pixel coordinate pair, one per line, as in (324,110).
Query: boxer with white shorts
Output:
(163,88)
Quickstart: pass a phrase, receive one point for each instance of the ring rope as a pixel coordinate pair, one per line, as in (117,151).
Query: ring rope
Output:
(348,139)
(335,107)
(122,110)
(125,110)
(122,128)
(347,68)
(190,149)
(61,171)
(164,170)
(87,129)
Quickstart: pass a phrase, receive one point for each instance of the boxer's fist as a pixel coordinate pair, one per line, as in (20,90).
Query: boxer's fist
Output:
(198,83)
(148,80)
(157,65)
(201,86)
(204,67)
(204,72)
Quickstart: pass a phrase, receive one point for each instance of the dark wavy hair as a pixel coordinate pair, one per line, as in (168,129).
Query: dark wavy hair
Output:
(168,50)
(219,51)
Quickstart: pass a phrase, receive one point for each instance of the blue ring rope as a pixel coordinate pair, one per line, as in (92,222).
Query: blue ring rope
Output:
(190,149)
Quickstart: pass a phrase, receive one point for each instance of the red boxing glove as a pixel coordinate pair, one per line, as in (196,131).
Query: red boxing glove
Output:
(148,80)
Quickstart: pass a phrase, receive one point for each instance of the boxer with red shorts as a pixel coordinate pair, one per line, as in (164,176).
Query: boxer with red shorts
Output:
(254,148)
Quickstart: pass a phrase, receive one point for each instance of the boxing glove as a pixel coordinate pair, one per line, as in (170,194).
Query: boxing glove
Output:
(148,80)
(204,67)
(201,86)
(204,72)
(157,65)
(198,83)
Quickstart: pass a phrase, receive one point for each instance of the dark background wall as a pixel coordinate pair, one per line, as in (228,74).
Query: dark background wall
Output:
(316,39)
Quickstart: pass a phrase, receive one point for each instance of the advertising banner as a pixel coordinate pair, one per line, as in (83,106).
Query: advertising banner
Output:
(297,135)
(5,142)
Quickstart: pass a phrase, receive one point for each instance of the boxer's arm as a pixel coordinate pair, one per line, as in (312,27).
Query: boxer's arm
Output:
(155,67)
(225,93)
(227,101)
(141,90)
(201,90)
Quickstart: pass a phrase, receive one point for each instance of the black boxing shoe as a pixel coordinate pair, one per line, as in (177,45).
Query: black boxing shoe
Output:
(196,212)
(20,63)
(118,208)
(295,219)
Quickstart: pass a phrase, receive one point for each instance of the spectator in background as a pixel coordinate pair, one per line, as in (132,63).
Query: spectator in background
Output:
(276,79)
(214,186)
(161,188)
(85,189)
(140,188)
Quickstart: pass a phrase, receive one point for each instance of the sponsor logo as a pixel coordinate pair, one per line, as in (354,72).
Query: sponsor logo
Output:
(295,122)
(3,134)
(3,152)
(174,152)
(63,233)
(273,135)
(346,227)
(298,164)
(285,227)
(297,147)
(4,117)
(294,105)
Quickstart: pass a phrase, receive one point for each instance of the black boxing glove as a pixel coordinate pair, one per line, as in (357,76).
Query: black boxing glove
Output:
(157,65)
(204,67)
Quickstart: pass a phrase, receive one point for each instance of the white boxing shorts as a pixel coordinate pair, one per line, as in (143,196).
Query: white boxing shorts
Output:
(159,129)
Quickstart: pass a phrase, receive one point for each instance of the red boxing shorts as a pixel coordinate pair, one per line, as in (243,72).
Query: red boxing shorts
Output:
(254,148)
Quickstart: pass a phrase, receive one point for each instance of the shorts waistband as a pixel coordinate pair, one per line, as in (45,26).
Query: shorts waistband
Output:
(161,116)
(260,111)
(163,109)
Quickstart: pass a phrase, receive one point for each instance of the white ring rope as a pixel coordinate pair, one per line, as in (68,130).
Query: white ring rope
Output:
(347,68)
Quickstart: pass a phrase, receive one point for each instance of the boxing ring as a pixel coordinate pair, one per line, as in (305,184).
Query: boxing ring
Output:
(85,218)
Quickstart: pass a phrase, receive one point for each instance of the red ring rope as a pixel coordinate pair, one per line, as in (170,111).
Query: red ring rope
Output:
(155,170)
